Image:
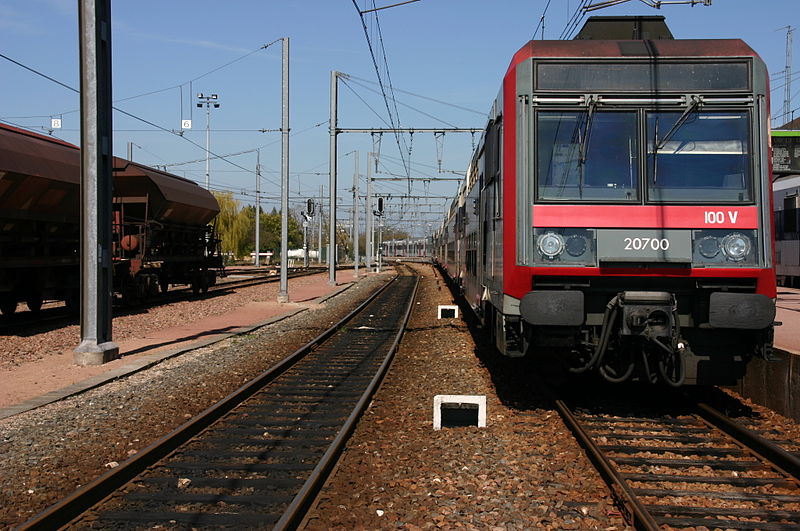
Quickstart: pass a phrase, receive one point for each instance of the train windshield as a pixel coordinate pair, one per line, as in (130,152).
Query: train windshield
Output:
(699,156)
(584,155)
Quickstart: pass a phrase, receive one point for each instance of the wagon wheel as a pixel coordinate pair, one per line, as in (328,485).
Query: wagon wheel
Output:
(131,294)
(73,301)
(8,305)
(163,283)
(34,302)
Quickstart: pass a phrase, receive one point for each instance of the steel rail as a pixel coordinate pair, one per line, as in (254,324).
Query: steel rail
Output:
(764,448)
(639,515)
(29,319)
(297,509)
(652,516)
(66,510)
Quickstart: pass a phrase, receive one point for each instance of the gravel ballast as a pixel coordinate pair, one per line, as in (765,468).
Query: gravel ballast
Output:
(524,470)
(48,452)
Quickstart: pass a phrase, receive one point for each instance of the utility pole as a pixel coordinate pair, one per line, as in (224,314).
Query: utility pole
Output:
(208,101)
(94,28)
(380,241)
(319,228)
(332,184)
(307,217)
(787,72)
(368,213)
(283,294)
(355,218)
(258,207)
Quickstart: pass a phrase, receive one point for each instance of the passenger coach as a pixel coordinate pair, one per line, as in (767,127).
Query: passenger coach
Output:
(617,210)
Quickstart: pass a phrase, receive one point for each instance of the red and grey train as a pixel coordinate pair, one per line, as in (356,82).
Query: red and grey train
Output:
(161,232)
(617,211)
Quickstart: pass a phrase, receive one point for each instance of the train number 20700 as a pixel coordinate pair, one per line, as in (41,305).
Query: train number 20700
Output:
(638,244)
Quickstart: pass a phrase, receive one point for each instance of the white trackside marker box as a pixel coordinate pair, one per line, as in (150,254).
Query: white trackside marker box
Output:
(459,410)
(448,311)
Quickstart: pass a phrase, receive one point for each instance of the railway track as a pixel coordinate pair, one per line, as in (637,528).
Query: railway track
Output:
(257,458)
(690,467)
(58,316)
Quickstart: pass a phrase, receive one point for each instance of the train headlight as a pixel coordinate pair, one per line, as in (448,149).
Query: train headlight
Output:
(576,245)
(736,246)
(550,245)
(708,246)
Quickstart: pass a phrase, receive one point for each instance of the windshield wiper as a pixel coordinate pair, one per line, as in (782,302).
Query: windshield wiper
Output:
(591,105)
(694,103)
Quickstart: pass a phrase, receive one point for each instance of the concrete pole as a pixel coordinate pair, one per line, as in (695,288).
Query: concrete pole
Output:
(369,219)
(319,227)
(332,184)
(258,208)
(208,144)
(94,21)
(305,242)
(355,218)
(283,294)
(380,242)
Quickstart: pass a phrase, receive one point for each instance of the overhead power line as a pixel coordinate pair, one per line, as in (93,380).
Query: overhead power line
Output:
(126,113)
(352,77)
(392,117)
(541,20)
(387,7)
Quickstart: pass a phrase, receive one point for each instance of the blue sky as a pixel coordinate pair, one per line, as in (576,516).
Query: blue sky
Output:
(453,51)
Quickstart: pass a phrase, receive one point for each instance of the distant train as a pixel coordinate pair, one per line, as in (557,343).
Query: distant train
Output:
(617,210)
(409,247)
(786,189)
(787,230)
(161,231)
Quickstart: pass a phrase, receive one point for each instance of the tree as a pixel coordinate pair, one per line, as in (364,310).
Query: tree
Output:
(271,231)
(231,224)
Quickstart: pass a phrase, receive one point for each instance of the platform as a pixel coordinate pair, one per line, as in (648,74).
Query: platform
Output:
(776,384)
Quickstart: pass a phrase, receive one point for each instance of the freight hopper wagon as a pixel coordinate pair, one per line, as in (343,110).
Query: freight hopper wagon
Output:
(160,234)
(39,220)
(617,211)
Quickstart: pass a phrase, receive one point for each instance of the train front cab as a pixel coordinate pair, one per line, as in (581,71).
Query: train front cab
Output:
(637,179)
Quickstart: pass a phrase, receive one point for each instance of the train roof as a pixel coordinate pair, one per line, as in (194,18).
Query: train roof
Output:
(28,153)
(629,49)
(628,38)
(172,198)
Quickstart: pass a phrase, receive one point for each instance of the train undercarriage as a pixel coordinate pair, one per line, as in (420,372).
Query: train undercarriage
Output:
(678,336)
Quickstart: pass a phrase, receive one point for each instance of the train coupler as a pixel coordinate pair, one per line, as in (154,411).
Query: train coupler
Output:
(647,313)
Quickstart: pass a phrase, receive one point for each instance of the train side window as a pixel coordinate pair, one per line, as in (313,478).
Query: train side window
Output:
(492,165)
(790,212)
(491,149)
(497,203)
